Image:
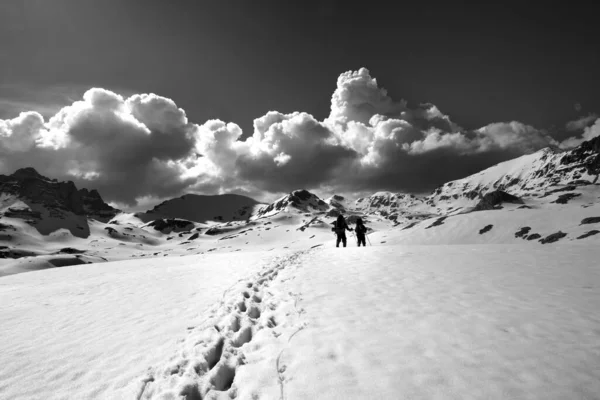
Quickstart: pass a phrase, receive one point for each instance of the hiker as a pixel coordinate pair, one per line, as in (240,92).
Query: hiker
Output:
(361,230)
(339,228)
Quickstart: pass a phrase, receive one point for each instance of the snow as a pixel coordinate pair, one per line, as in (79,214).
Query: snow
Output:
(90,331)
(386,321)
(451,305)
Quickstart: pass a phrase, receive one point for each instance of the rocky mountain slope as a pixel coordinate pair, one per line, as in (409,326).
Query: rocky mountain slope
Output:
(198,208)
(548,173)
(553,196)
(49,205)
(301,200)
(531,175)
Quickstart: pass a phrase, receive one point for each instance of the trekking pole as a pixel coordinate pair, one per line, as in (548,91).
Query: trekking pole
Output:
(369,240)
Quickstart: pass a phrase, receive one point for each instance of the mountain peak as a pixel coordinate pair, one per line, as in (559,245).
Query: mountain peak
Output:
(301,199)
(32,187)
(28,173)
(203,208)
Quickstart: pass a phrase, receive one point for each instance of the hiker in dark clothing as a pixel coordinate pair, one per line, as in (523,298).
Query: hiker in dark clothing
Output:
(339,228)
(361,230)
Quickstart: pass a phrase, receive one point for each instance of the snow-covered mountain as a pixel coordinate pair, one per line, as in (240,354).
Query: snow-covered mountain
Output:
(300,200)
(527,176)
(43,222)
(387,203)
(199,208)
(338,202)
(49,205)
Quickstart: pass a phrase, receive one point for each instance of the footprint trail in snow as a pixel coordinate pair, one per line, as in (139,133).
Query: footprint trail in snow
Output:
(239,350)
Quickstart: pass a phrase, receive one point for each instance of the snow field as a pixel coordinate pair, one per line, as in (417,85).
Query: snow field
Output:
(447,322)
(415,322)
(90,331)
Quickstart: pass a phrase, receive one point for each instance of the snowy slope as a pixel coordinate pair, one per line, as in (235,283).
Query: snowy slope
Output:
(543,216)
(396,207)
(90,331)
(419,322)
(528,175)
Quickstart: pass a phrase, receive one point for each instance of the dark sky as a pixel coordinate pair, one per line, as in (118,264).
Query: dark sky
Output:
(237,60)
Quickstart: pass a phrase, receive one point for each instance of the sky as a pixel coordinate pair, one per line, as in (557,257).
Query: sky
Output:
(465,88)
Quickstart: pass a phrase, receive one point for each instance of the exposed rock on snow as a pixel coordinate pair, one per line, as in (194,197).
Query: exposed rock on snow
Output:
(437,222)
(555,237)
(485,229)
(590,220)
(491,200)
(523,232)
(171,225)
(564,198)
(588,234)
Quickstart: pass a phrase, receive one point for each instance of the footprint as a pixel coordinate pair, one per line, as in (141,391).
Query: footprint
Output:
(242,306)
(249,285)
(191,391)
(254,312)
(256,298)
(256,289)
(246,294)
(214,353)
(224,377)
(235,324)
(243,337)
(271,323)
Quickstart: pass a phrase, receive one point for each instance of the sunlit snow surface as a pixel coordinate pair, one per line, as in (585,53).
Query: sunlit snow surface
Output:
(382,322)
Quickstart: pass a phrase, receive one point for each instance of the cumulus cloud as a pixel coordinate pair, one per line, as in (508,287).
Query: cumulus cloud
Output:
(358,97)
(589,132)
(290,151)
(143,147)
(580,122)
(19,134)
(127,148)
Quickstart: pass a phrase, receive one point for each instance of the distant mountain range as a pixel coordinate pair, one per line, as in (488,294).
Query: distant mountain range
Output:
(49,205)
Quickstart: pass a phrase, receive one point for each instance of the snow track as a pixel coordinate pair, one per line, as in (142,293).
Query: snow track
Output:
(250,325)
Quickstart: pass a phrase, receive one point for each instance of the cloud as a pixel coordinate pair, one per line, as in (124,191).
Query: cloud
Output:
(580,122)
(589,132)
(143,146)
(358,98)
(126,148)
(290,151)
(19,134)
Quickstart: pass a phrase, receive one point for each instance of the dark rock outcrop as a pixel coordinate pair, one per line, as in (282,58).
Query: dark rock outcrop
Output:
(522,233)
(57,197)
(588,234)
(564,198)
(590,220)
(492,200)
(171,225)
(485,229)
(555,237)
(588,154)
(568,188)
(437,222)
